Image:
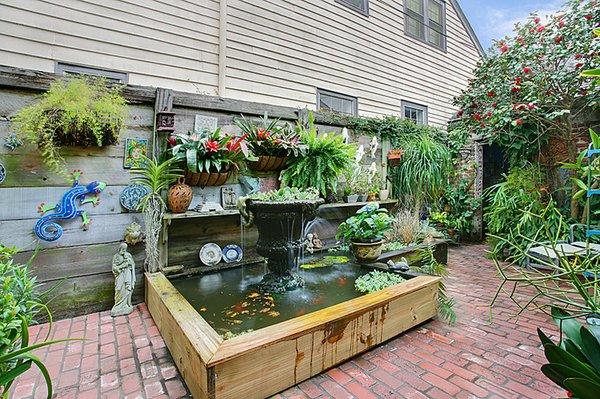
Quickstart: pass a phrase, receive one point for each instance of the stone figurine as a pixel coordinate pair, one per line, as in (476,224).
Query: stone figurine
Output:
(373,146)
(346,135)
(401,266)
(123,268)
(372,172)
(133,234)
(313,243)
(360,153)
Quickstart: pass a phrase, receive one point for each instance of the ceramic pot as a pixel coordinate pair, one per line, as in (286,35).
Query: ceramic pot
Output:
(367,252)
(384,195)
(371,197)
(362,197)
(394,157)
(268,163)
(179,197)
(212,179)
(352,198)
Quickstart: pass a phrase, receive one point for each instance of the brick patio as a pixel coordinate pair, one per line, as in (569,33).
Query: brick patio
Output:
(126,357)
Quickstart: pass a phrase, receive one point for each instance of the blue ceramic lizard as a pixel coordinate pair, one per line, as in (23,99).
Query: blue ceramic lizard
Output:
(46,227)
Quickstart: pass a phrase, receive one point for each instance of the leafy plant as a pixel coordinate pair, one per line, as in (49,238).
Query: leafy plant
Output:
(79,111)
(369,224)
(423,171)
(286,194)
(574,364)
(156,177)
(461,205)
(406,227)
(267,138)
(376,281)
(208,151)
(325,160)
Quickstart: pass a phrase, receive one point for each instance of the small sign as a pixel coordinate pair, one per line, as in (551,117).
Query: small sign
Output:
(203,122)
(134,149)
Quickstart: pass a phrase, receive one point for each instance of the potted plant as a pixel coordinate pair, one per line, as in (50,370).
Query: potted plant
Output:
(78,112)
(365,231)
(208,158)
(349,196)
(272,145)
(361,186)
(327,157)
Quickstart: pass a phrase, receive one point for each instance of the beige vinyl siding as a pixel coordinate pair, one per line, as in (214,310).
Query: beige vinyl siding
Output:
(170,43)
(284,50)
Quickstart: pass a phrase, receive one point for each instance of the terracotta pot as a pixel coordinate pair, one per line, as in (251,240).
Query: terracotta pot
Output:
(268,163)
(371,197)
(204,179)
(367,252)
(179,197)
(394,157)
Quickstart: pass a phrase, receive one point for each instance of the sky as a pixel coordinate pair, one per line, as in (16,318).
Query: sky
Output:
(494,19)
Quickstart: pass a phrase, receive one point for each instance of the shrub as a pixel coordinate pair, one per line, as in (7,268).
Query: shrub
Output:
(80,112)
(369,224)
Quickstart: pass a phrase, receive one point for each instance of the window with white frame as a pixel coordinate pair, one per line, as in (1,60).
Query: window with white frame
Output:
(426,21)
(415,112)
(66,69)
(336,102)
(361,6)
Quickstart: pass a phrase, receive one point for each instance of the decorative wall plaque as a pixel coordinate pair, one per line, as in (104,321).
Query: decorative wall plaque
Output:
(134,149)
(165,121)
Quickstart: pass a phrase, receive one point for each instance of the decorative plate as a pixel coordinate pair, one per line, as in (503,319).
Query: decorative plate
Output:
(132,195)
(2,173)
(210,254)
(232,253)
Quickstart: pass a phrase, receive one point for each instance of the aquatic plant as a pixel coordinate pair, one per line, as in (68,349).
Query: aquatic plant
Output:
(326,261)
(286,194)
(376,281)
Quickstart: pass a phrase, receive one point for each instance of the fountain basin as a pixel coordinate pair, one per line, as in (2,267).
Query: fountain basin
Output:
(261,363)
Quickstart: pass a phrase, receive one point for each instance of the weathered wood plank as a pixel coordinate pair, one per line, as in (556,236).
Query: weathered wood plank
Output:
(79,261)
(103,229)
(28,198)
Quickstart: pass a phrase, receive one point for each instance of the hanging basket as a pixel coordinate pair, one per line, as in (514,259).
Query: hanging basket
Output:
(204,179)
(395,156)
(268,163)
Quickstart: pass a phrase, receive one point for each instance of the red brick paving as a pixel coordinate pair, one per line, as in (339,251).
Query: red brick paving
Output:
(126,358)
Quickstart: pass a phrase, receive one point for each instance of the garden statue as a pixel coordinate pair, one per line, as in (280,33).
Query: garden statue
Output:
(12,142)
(313,243)
(123,267)
(133,234)
(401,266)
(372,172)
(46,227)
(346,135)
(360,153)
(373,146)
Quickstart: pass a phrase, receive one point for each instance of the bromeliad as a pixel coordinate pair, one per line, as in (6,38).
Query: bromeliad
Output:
(46,227)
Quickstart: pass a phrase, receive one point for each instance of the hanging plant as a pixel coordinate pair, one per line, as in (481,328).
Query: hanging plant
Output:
(78,112)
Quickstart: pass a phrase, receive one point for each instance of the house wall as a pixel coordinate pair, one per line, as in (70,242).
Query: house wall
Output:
(272,51)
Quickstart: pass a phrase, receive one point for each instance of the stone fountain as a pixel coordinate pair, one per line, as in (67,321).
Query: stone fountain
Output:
(280,227)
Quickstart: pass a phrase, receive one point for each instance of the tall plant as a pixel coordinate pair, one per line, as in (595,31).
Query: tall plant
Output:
(423,172)
(156,177)
(325,160)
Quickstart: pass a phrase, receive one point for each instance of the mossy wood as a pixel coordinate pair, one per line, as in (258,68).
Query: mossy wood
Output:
(263,362)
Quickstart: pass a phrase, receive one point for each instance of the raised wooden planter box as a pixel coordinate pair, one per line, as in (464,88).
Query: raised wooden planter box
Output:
(264,362)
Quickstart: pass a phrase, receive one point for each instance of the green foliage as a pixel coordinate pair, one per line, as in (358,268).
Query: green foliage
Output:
(461,205)
(574,363)
(376,281)
(19,303)
(423,172)
(267,138)
(208,151)
(286,194)
(370,223)
(529,86)
(79,111)
(326,159)
(326,261)
(157,177)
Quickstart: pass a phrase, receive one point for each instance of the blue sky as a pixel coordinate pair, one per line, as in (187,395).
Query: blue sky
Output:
(493,19)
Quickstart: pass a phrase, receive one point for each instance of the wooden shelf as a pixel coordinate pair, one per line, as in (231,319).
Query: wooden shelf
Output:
(195,215)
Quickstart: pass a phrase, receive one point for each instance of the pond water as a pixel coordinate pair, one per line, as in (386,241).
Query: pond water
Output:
(228,302)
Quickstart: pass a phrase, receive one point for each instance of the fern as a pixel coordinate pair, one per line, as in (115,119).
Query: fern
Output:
(326,159)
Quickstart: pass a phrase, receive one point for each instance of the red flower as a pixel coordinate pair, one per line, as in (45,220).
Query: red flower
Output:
(588,17)
(578,56)
(541,28)
(521,40)
(519,122)
(489,114)
(460,113)
(211,146)
(578,65)
(494,104)
(519,107)
(558,39)
(537,20)
(504,48)
(515,89)
(561,23)
(482,124)
(531,106)
(569,394)
(477,117)
(263,134)
(527,70)
(491,93)
(518,80)
(171,140)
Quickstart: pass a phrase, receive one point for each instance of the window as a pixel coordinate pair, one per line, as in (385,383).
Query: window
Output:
(336,102)
(415,112)
(426,21)
(71,69)
(361,6)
